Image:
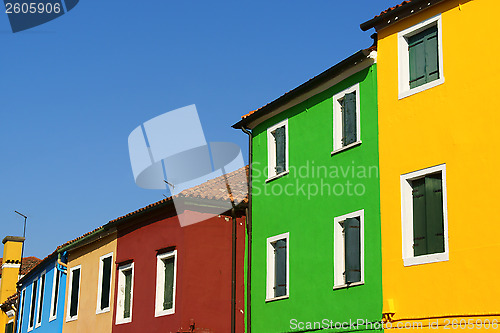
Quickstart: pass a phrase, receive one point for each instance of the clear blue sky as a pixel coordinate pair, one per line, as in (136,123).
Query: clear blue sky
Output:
(73,89)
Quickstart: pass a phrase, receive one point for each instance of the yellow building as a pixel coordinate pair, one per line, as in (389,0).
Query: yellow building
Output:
(90,282)
(438,162)
(10,275)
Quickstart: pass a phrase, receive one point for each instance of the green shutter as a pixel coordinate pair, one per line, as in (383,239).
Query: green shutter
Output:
(419,220)
(9,328)
(279,136)
(280,268)
(168,297)
(128,293)
(106,282)
(75,286)
(431,54)
(434,213)
(352,246)
(349,119)
(423,57)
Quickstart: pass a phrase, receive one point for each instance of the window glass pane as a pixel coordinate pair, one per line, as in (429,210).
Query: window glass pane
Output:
(56,293)
(106,282)
(40,301)
(279,135)
(348,104)
(169,283)
(75,286)
(33,302)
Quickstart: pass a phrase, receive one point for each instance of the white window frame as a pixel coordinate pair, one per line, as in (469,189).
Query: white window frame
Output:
(70,287)
(22,307)
(33,294)
(160,283)
(39,302)
(99,281)
(404,58)
(339,249)
(270,267)
(407,217)
(271,151)
(337,119)
(54,296)
(120,300)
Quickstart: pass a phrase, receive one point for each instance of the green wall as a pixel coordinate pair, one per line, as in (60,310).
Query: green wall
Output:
(308,216)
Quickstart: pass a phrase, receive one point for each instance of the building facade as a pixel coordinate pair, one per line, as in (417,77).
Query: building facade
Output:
(315,255)
(41,303)
(438,161)
(173,277)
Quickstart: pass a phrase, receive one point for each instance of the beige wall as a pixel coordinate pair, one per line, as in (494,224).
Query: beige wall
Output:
(88,257)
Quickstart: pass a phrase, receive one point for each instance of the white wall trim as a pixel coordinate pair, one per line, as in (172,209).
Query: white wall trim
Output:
(271,151)
(160,283)
(22,306)
(33,296)
(270,266)
(10,265)
(99,284)
(337,119)
(407,217)
(120,298)
(68,308)
(339,249)
(41,292)
(403,57)
(54,300)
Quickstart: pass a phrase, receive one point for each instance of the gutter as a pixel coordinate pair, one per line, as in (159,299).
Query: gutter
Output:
(249,229)
(398,14)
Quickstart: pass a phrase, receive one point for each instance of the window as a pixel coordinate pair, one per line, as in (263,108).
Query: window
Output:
(348,249)
(277,150)
(125,293)
(424,216)
(104,287)
(55,294)
(277,267)
(21,310)
(31,319)
(166,274)
(73,293)
(9,327)
(346,119)
(41,291)
(420,57)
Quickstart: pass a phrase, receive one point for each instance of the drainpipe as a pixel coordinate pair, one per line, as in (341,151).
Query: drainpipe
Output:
(62,267)
(249,227)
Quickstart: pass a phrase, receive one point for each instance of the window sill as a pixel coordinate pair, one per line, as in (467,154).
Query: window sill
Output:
(426,259)
(342,286)
(276,298)
(284,173)
(102,311)
(164,313)
(71,319)
(123,321)
(349,146)
(52,319)
(421,88)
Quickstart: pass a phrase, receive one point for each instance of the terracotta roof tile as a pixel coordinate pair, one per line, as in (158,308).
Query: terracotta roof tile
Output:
(392,8)
(28,264)
(9,302)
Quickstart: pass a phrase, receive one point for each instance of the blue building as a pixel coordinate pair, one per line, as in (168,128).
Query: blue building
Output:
(41,307)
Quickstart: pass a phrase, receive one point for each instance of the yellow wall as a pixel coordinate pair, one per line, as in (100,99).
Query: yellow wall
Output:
(88,257)
(454,123)
(10,275)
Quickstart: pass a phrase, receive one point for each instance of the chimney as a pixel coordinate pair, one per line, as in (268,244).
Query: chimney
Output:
(12,249)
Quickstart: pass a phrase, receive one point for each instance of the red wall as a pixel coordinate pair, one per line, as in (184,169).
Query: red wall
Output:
(203,291)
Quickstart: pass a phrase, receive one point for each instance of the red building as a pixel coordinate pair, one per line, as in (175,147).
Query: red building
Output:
(173,278)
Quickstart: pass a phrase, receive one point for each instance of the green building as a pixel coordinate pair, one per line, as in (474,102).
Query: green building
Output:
(315,208)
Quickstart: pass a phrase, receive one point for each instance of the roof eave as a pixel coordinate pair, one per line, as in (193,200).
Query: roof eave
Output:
(397,14)
(324,77)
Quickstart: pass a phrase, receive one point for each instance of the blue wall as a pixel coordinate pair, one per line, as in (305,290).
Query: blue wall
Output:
(54,325)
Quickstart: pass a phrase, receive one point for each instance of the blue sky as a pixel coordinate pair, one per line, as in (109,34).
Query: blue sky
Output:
(74,88)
